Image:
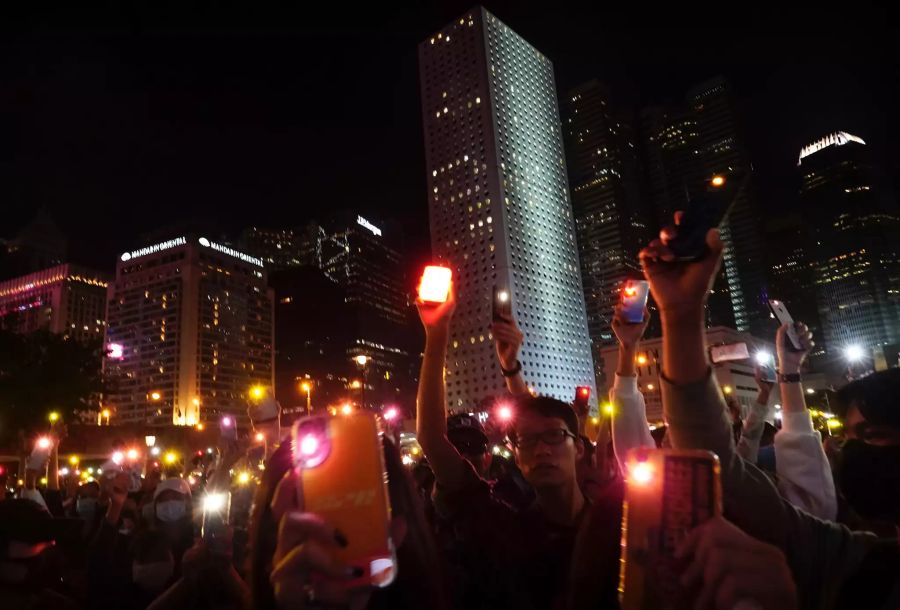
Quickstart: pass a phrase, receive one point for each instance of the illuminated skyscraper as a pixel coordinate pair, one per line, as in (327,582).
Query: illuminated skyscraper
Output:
(189,333)
(499,207)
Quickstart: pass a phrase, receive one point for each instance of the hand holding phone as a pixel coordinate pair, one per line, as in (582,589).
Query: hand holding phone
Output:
(634,300)
(434,285)
(40,454)
(501,305)
(214,528)
(705,211)
(779,310)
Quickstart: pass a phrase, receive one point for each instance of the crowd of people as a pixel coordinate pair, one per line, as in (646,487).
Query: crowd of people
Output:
(537,525)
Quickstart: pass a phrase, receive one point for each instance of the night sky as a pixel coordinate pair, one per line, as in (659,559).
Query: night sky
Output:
(121,123)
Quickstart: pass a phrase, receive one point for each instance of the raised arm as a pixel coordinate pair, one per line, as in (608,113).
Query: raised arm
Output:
(629,417)
(508,341)
(431,417)
(754,425)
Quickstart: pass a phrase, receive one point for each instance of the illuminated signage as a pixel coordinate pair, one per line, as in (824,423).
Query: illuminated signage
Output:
(833,139)
(172,243)
(365,223)
(230,252)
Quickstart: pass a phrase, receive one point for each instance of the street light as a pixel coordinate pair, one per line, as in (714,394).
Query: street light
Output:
(854,353)
(106,415)
(307,387)
(362,360)
(155,395)
(257,392)
(150,440)
(53,417)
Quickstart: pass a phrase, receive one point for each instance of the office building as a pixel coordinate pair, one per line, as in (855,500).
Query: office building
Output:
(277,248)
(68,300)
(499,207)
(684,148)
(189,333)
(610,223)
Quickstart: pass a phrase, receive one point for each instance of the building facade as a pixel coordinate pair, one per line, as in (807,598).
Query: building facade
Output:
(68,300)
(190,332)
(499,205)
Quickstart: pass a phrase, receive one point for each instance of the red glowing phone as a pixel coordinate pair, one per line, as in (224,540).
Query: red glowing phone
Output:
(668,493)
(434,287)
(340,464)
(634,300)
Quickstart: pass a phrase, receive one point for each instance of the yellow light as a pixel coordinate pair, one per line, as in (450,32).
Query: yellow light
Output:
(595,420)
(171,458)
(106,413)
(196,401)
(305,386)
(642,359)
(727,389)
(649,386)
(333,411)
(347,409)
(132,454)
(834,423)
(415,450)
(155,395)
(641,473)
(200,427)
(54,417)
(257,391)
(718,180)
(73,460)
(260,437)
(43,480)
(608,409)
(21,482)
(356,384)
(244,478)
(362,360)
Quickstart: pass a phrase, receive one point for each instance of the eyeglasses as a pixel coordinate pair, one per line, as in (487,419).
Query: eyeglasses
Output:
(548,437)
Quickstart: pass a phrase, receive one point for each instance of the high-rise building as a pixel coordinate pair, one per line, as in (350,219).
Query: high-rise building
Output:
(189,333)
(499,207)
(278,248)
(67,299)
(38,245)
(683,149)
(610,224)
(855,228)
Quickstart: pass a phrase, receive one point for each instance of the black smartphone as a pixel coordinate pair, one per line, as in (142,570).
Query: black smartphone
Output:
(501,306)
(703,212)
(214,527)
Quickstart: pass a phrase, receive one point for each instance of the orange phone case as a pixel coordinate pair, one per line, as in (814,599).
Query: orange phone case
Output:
(669,492)
(349,490)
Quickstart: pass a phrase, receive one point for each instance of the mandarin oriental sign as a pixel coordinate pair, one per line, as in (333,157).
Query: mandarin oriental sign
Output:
(172,243)
(230,252)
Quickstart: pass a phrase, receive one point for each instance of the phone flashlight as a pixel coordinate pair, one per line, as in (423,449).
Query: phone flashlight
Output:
(311,444)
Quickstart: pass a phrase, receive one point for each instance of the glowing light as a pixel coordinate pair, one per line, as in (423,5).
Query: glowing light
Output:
(200,427)
(309,444)
(244,478)
(206,243)
(434,287)
(172,243)
(154,451)
(503,296)
(834,423)
(838,138)
(641,473)
(133,454)
(810,391)
(53,417)
(150,440)
(155,395)
(595,420)
(191,480)
(118,457)
(347,409)
(356,384)
(642,359)
(171,458)
(260,437)
(728,389)
(407,461)
(106,413)
(227,422)
(63,472)
(391,414)
(609,409)
(854,353)
(43,443)
(43,480)
(209,450)
(763,358)
(630,291)
(115,351)
(90,471)
(505,413)
(73,460)
(362,360)
(257,391)
(305,386)
(415,450)
(365,223)
(649,386)
(718,180)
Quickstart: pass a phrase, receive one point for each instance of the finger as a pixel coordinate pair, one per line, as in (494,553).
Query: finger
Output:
(667,234)
(306,558)
(287,497)
(297,528)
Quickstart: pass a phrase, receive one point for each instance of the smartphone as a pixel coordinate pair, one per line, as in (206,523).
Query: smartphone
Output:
(767,372)
(733,351)
(228,428)
(634,300)
(703,212)
(501,306)
(779,310)
(668,493)
(434,286)
(340,463)
(214,527)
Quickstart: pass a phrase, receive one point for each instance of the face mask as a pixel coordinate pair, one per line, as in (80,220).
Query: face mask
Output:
(869,478)
(86,507)
(152,577)
(171,510)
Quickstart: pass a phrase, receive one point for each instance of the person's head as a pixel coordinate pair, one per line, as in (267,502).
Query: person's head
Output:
(466,433)
(91,489)
(545,435)
(27,540)
(153,565)
(86,502)
(418,583)
(868,472)
(172,501)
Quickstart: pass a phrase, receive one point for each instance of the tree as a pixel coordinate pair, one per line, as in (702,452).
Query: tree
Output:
(42,372)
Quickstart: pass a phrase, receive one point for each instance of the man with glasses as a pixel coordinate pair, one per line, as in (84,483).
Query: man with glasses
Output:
(516,559)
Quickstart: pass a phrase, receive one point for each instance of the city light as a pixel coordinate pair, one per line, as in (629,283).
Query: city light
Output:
(244,478)
(608,409)
(106,414)
(727,389)
(763,358)
(118,457)
(854,353)
(649,386)
(260,437)
(434,287)
(391,414)
(305,386)
(171,458)
(43,443)
(154,451)
(115,351)
(641,473)
(407,461)
(718,180)
(834,423)
(810,391)
(356,384)
(309,445)
(505,413)
(642,359)
(63,472)
(362,360)
(73,460)
(257,391)
(595,420)
(200,427)
(133,454)
(155,395)
(226,422)
(150,440)
(53,417)
(415,450)
(347,409)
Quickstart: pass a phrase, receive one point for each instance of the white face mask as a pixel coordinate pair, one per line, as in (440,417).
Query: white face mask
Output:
(170,510)
(152,577)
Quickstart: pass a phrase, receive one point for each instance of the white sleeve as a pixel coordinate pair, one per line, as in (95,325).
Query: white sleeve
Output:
(751,432)
(629,419)
(804,474)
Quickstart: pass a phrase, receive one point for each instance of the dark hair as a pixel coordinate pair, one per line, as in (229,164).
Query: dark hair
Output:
(545,406)
(419,582)
(877,396)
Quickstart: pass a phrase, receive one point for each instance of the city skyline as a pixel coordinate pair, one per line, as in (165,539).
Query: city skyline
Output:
(184,119)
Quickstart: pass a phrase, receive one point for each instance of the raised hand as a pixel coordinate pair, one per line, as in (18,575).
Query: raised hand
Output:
(436,317)
(627,333)
(790,359)
(508,341)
